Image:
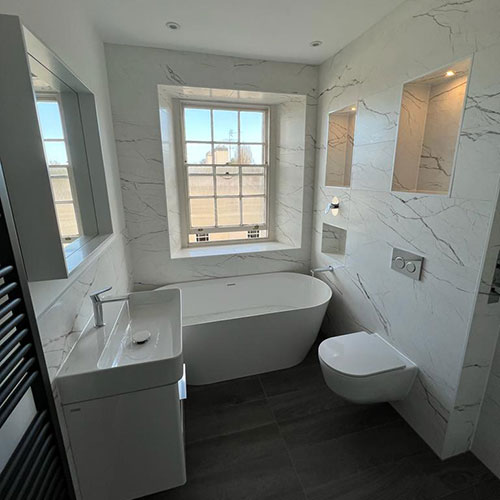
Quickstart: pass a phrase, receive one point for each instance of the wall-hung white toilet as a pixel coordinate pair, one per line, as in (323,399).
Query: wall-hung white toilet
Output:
(364,368)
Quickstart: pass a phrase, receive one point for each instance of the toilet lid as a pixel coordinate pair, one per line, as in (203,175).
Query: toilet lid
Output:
(360,354)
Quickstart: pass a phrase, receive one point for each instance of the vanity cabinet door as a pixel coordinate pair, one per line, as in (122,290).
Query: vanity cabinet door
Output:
(129,445)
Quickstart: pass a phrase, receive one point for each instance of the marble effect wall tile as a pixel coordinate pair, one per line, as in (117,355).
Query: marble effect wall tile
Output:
(62,323)
(134,75)
(429,320)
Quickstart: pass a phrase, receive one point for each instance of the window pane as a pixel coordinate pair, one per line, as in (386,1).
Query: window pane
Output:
(228,181)
(56,171)
(200,170)
(253,184)
(225,153)
(197,124)
(50,119)
(66,217)
(198,153)
(202,212)
(201,185)
(227,170)
(251,154)
(254,210)
(61,189)
(252,126)
(253,170)
(56,153)
(233,235)
(225,125)
(228,211)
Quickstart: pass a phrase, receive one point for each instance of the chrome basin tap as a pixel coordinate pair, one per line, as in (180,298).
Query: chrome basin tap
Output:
(98,301)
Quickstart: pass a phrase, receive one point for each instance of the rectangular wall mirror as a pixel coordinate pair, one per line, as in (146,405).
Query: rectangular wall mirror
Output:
(61,130)
(429,125)
(339,146)
(51,156)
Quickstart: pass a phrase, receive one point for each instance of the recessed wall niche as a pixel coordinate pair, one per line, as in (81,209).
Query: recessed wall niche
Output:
(429,126)
(339,147)
(333,240)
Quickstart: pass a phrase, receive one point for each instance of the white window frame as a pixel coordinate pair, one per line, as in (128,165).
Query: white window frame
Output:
(55,97)
(214,105)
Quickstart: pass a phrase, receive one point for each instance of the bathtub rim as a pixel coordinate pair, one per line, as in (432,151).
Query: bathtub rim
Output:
(218,320)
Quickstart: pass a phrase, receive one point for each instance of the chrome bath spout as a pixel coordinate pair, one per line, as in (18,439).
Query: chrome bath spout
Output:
(321,270)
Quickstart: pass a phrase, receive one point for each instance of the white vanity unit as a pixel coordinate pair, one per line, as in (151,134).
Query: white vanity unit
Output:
(121,389)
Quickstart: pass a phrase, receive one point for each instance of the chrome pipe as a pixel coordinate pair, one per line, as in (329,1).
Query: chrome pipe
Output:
(321,270)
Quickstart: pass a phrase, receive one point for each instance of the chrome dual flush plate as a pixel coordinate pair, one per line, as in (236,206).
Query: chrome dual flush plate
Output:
(407,263)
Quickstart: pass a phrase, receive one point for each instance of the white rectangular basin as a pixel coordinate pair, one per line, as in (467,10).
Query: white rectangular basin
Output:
(106,361)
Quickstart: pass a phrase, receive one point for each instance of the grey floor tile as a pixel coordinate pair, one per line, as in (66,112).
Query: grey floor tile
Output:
(337,422)
(488,488)
(271,436)
(326,461)
(224,393)
(468,494)
(247,465)
(301,377)
(216,454)
(267,479)
(304,403)
(441,478)
(205,423)
(394,481)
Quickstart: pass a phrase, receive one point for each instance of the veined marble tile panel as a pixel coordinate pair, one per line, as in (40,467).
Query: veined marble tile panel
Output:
(425,319)
(487,439)
(61,324)
(377,117)
(478,161)
(134,75)
(451,233)
(372,166)
(429,225)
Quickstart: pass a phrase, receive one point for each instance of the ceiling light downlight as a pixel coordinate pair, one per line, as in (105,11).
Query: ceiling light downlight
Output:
(171,25)
(316,43)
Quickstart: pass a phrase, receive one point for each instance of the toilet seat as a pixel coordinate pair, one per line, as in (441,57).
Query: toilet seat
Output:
(360,354)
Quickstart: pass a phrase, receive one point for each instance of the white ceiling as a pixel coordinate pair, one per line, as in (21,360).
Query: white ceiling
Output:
(262,29)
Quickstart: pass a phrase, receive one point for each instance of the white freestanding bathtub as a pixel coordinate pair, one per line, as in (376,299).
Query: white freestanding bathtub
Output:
(234,327)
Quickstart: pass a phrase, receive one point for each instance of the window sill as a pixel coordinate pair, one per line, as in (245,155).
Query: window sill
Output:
(81,254)
(237,248)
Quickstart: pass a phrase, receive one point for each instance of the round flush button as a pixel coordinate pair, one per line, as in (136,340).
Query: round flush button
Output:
(399,262)
(410,267)
(141,337)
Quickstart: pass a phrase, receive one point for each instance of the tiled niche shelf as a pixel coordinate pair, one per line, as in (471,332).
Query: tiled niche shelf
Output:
(429,126)
(333,240)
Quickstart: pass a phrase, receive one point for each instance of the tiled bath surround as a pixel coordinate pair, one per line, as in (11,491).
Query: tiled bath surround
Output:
(429,320)
(287,167)
(134,76)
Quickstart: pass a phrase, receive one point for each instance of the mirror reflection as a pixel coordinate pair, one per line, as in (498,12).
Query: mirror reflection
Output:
(339,147)
(60,126)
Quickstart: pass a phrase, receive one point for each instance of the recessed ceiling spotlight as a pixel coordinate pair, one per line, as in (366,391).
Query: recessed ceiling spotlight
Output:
(353,108)
(450,73)
(173,26)
(316,43)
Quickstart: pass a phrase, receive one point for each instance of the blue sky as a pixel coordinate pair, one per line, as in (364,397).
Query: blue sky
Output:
(51,127)
(50,119)
(198,128)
